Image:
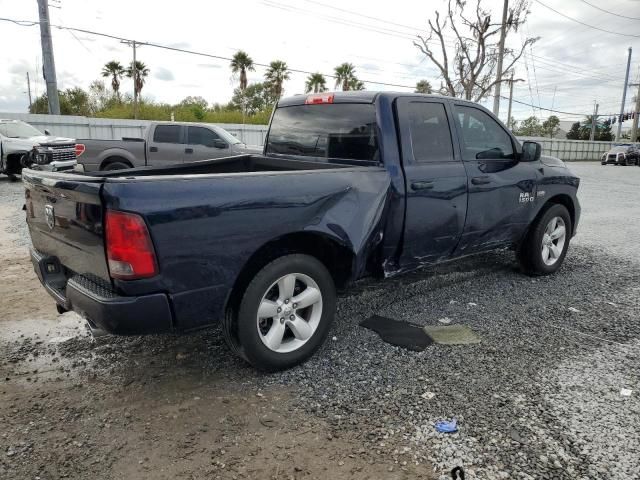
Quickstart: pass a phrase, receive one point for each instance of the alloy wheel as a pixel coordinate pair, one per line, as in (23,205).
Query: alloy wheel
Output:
(289,312)
(553,240)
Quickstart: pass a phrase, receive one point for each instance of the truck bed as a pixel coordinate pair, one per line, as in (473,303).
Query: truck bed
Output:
(234,164)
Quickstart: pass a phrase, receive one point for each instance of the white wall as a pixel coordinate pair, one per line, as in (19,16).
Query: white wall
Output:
(572,150)
(112,129)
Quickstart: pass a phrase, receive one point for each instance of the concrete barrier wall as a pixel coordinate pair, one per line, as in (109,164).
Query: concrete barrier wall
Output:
(111,129)
(572,150)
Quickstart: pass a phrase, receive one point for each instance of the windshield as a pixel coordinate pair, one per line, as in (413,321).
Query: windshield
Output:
(339,131)
(18,130)
(228,136)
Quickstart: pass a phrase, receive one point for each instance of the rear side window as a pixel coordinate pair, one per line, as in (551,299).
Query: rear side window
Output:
(482,136)
(333,131)
(167,134)
(430,132)
(201,136)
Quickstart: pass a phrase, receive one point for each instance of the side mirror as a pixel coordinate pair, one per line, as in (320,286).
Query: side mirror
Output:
(47,132)
(493,153)
(531,152)
(217,143)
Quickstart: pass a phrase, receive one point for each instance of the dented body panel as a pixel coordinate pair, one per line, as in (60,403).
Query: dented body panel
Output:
(210,227)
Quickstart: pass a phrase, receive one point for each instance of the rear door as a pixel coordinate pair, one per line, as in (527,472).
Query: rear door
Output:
(166,145)
(436,181)
(501,189)
(203,144)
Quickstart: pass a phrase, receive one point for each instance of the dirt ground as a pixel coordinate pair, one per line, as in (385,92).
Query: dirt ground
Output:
(550,392)
(74,408)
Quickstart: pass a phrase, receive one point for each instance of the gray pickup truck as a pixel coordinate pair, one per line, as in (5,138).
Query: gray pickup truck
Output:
(164,144)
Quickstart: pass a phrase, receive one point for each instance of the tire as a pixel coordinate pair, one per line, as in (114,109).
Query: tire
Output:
(291,335)
(115,166)
(535,255)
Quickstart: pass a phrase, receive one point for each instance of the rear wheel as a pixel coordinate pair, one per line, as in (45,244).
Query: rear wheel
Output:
(545,245)
(116,166)
(285,313)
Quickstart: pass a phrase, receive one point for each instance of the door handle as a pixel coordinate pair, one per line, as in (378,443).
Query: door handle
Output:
(426,185)
(153,149)
(188,150)
(480,180)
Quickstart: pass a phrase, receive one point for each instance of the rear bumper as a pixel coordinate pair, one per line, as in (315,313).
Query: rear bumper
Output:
(94,299)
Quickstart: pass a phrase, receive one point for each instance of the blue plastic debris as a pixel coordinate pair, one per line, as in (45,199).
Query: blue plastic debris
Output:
(444,426)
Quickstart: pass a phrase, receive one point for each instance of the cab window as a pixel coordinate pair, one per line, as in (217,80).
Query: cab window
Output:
(481,136)
(201,136)
(430,133)
(167,134)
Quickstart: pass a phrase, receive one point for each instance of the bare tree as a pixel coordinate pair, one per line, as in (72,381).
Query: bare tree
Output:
(468,66)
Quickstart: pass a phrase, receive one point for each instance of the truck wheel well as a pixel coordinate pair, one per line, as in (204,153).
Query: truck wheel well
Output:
(337,258)
(14,165)
(562,200)
(109,160)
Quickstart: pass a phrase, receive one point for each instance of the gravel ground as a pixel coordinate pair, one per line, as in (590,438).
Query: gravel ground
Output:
(539,397)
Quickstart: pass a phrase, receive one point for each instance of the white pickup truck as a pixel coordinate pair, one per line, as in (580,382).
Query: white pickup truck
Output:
(22,145)
(164,144)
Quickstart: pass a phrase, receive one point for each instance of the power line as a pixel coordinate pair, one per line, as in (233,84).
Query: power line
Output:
(183,50)
(586,24)
(609,12)
(351,12)
(220,57)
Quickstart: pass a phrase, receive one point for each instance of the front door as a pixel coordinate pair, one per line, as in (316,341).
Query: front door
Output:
(204,144)
(501,188)
(436,182)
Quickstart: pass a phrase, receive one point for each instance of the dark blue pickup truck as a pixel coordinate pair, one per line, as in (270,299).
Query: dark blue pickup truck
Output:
(349,184)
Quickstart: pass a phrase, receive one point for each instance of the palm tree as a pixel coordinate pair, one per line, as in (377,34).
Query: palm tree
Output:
(242,63)
(275,76)
(423,86)
(316,82)
(355,84)
(141,73)
(344,73)
(115,70)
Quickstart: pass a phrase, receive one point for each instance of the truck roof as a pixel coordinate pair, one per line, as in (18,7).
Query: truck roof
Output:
(359,96)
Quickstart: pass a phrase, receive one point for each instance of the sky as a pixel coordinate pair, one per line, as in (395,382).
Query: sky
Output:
(567,69)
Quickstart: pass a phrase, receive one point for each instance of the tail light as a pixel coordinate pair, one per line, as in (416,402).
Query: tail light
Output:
(129,248)
(80,148)
(319,98)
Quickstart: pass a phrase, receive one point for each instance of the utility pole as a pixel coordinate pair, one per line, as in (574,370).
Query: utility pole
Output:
(503,34)
(47,58)
(624,95)
(135,83)
(29,91)
(594,122)
(636,114)
(510,101)
(134,75)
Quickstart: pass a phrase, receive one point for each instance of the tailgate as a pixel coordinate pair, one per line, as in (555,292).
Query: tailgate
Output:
(64,214)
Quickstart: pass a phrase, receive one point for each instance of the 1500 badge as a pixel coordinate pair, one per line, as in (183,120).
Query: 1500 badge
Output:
(526,197)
